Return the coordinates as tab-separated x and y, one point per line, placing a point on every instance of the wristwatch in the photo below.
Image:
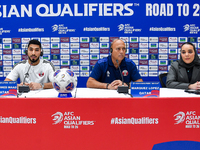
42	84
107	85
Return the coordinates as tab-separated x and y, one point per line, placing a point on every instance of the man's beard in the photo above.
33	60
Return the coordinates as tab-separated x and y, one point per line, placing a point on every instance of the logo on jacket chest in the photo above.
125	73
108	74
41	74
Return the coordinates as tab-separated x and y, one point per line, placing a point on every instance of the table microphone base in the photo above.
24	89
122	89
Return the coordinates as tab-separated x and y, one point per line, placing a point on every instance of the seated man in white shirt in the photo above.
39	73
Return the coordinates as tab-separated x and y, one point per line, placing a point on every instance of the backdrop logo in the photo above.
58	117
120	27
61	29
55	28
153	67
192	28
16	40
4	31
144	74
186	27
180	117
93	62
127	28
64	39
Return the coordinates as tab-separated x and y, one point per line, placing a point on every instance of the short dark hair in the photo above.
36	42
189	43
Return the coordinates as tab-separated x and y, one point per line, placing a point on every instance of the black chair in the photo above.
163	78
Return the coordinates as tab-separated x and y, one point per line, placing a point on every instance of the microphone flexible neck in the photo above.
27	74
120	72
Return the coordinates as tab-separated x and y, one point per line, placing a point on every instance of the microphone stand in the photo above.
25	88
123	88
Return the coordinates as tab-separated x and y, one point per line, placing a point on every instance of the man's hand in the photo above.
114	85
35	86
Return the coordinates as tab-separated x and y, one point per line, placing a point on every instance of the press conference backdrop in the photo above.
76	34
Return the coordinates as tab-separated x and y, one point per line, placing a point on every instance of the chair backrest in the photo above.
163	78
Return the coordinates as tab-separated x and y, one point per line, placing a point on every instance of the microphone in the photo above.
123	88
25	88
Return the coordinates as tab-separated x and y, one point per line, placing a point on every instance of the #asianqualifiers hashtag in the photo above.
143	120
18	120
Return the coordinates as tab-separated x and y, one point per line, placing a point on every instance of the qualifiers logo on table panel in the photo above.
70	120
190	119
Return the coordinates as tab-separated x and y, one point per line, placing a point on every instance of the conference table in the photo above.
104	93
99	119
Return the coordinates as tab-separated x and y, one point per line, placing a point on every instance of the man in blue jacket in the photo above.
106	73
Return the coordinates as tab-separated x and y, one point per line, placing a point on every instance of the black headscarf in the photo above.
196	60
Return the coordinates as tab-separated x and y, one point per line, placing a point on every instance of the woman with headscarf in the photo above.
185	72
